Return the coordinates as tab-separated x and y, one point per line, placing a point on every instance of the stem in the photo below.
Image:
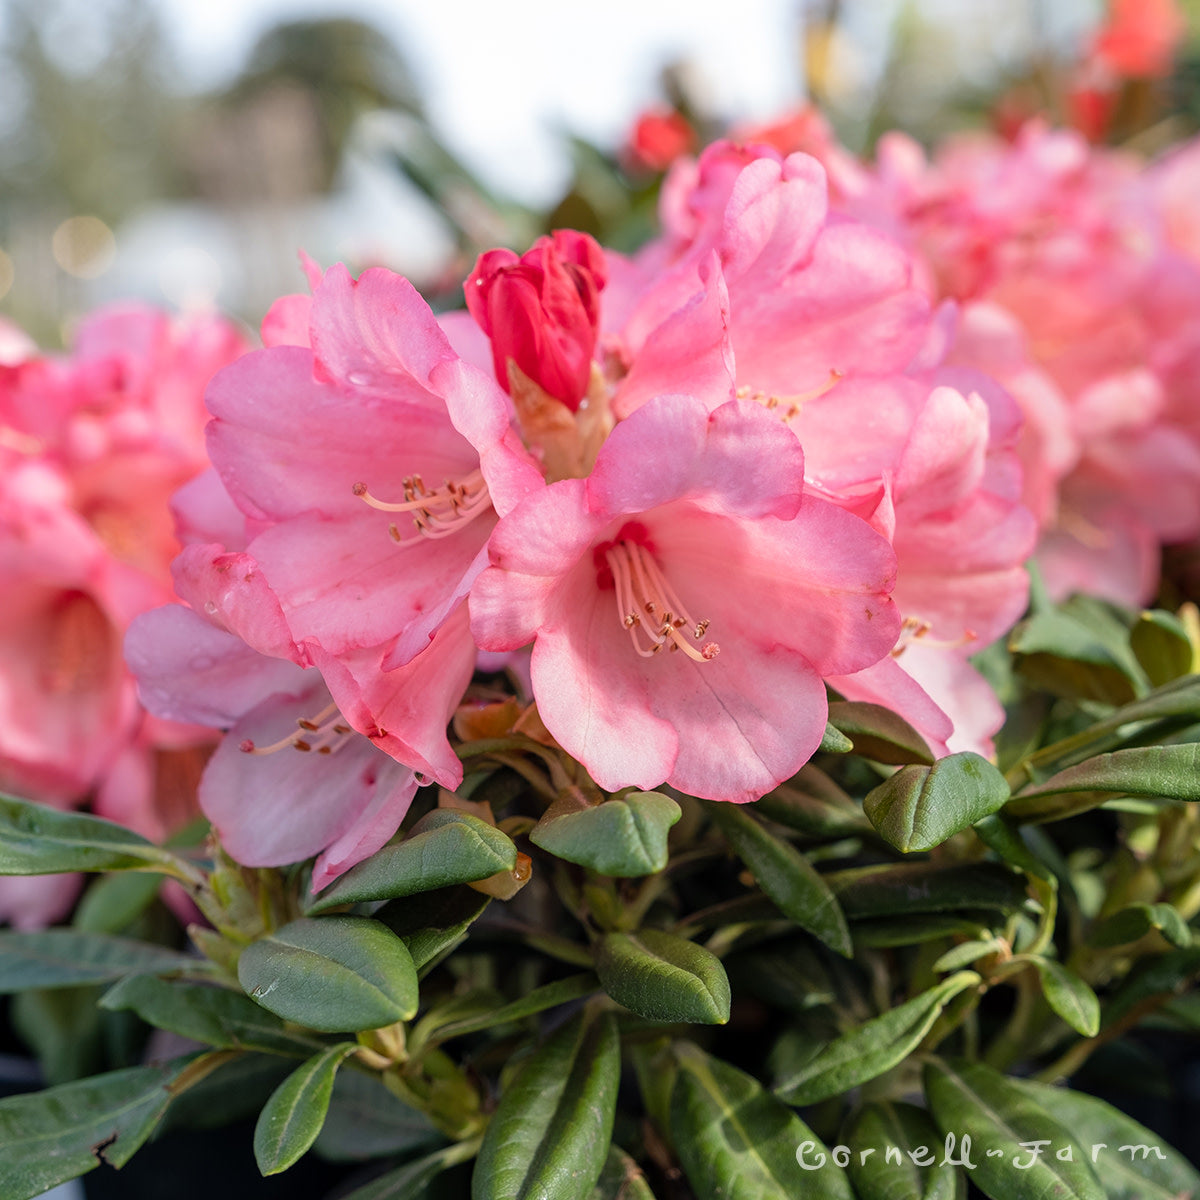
1069	1063
1013	1040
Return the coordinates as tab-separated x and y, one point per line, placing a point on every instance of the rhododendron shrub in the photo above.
93	444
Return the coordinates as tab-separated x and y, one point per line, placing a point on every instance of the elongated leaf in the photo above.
114	902
433	923
663	977
972	1100
59	1134
1002	836
912	930
812	803
1133	1163
551	1131
444	848
290	1121
920	807
1167	973
621	1179
737	1142
874	1047
624	838
409	1182
966	953
563	991
215	1015
1069	996
879	733
335	974
50	958
1161	645
1137	920
37	840
876	1176
785	875
365	1120
1138	771
896	890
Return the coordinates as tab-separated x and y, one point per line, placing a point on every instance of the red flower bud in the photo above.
542	310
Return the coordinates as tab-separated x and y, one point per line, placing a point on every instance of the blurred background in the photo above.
184	153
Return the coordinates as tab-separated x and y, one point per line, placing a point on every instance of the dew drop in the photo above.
210	607
359	378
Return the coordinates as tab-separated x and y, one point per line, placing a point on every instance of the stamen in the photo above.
437	513
640	587
792	404
915	629
330	734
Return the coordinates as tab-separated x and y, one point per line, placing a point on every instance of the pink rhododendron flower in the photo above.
1140	37
685	600
541	311
658	138
370	466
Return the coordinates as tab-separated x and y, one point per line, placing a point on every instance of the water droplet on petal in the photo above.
359	378
210	607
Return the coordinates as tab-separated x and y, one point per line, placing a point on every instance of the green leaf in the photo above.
1158	976
621	1179
409	1182
1069	996
973	1100
291	1119
551	1131
51	958
1137	920
912	930
1147	1168
874	1047
431	924
920	807
625	838
445	847
335	974
1005	838
895	890
737	1142
663	977
63	1132
1139	771
881	1125
1161	645
36	840
879	733
114	902
812	803
1080	651
551	995
213	1015
833	741
793	885
964	954
365	1120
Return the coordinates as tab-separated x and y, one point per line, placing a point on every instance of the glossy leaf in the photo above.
797	890
625	838
738	1142
1157	1172
1161	645
874	1047
37	840
63	1132
336	974
964	954
444	848
621	1179
1137	920
49	958
213	1015
663	977
365	1120
550	995
812	803
1069	996
551	1131
878	1126
433	923
1139	771
971	1099
291	1119
918	807
879	733
903	888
